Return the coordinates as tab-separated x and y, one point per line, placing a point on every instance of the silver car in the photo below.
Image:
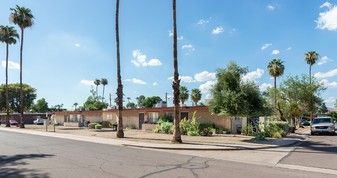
322	125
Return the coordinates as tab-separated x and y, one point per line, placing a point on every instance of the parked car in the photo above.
304	122
322	125
38	121
13	122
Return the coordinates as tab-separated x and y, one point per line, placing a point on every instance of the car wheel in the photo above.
312	133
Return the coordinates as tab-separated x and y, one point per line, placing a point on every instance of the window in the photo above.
153	117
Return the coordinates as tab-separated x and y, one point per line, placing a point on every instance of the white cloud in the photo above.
328	84
326	4
265	86
265	46
204	76
252	76
189	46
77	45
271	7
11	65
330	102
275	51
330	73
87	82
186	79
140	60
206	87
323	60
289	48
218	30
203	22
327	20
136	81
178	38
154	83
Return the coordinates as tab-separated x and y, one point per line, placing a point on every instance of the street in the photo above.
25	155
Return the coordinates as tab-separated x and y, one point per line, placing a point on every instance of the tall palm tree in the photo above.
120	132
75	104
176	81
275	69
97	82
311	57
195	96
8	35
184	94
104	82
24	18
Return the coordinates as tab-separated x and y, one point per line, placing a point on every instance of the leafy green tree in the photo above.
29	94
184	94
104	82
93	102
176	82
323	109
8	35
196	96
41	106
24	18
294	96
140	100
120	132
233	97
130	105
150	102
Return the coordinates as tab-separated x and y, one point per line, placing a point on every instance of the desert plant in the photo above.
92	125
98	126
106	124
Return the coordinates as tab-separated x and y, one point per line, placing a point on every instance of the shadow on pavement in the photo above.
10	166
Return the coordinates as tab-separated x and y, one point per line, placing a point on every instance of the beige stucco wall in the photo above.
130	117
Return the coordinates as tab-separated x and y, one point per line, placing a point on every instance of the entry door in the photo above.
141	120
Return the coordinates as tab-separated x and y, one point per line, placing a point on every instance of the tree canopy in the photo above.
184	94
231	96
29	95
41	106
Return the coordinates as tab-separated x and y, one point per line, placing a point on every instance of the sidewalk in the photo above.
142	139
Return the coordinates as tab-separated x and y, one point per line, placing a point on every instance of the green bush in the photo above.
189	127
248	130
193	133
106	124
98	126
184	126
130	126
92	125
276	129
166	127
206	129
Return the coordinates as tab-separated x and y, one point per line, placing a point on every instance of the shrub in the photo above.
220	130
98	126
184	126
106	124
130	126
206	129
167	127
249	130
189	127
193	133
276	129
92	125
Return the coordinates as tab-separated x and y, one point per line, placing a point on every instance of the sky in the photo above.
72	43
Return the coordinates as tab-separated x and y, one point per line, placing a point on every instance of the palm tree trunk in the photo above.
120	132
103	93
310	101
22	125
275	91
176	82
7	98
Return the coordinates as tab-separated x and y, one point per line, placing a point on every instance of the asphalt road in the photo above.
318	151
25	155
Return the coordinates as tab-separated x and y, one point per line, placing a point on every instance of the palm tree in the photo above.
104	82
75	104
97	82
196	96
8	35
22	17
275	69
176	81
311	57
184	94
120	132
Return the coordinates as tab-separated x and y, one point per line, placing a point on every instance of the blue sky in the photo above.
73	42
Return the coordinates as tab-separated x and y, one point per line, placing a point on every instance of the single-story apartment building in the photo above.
145	118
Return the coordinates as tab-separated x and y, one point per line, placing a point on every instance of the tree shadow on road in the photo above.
10	166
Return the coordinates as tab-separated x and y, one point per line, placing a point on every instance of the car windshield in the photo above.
321	120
